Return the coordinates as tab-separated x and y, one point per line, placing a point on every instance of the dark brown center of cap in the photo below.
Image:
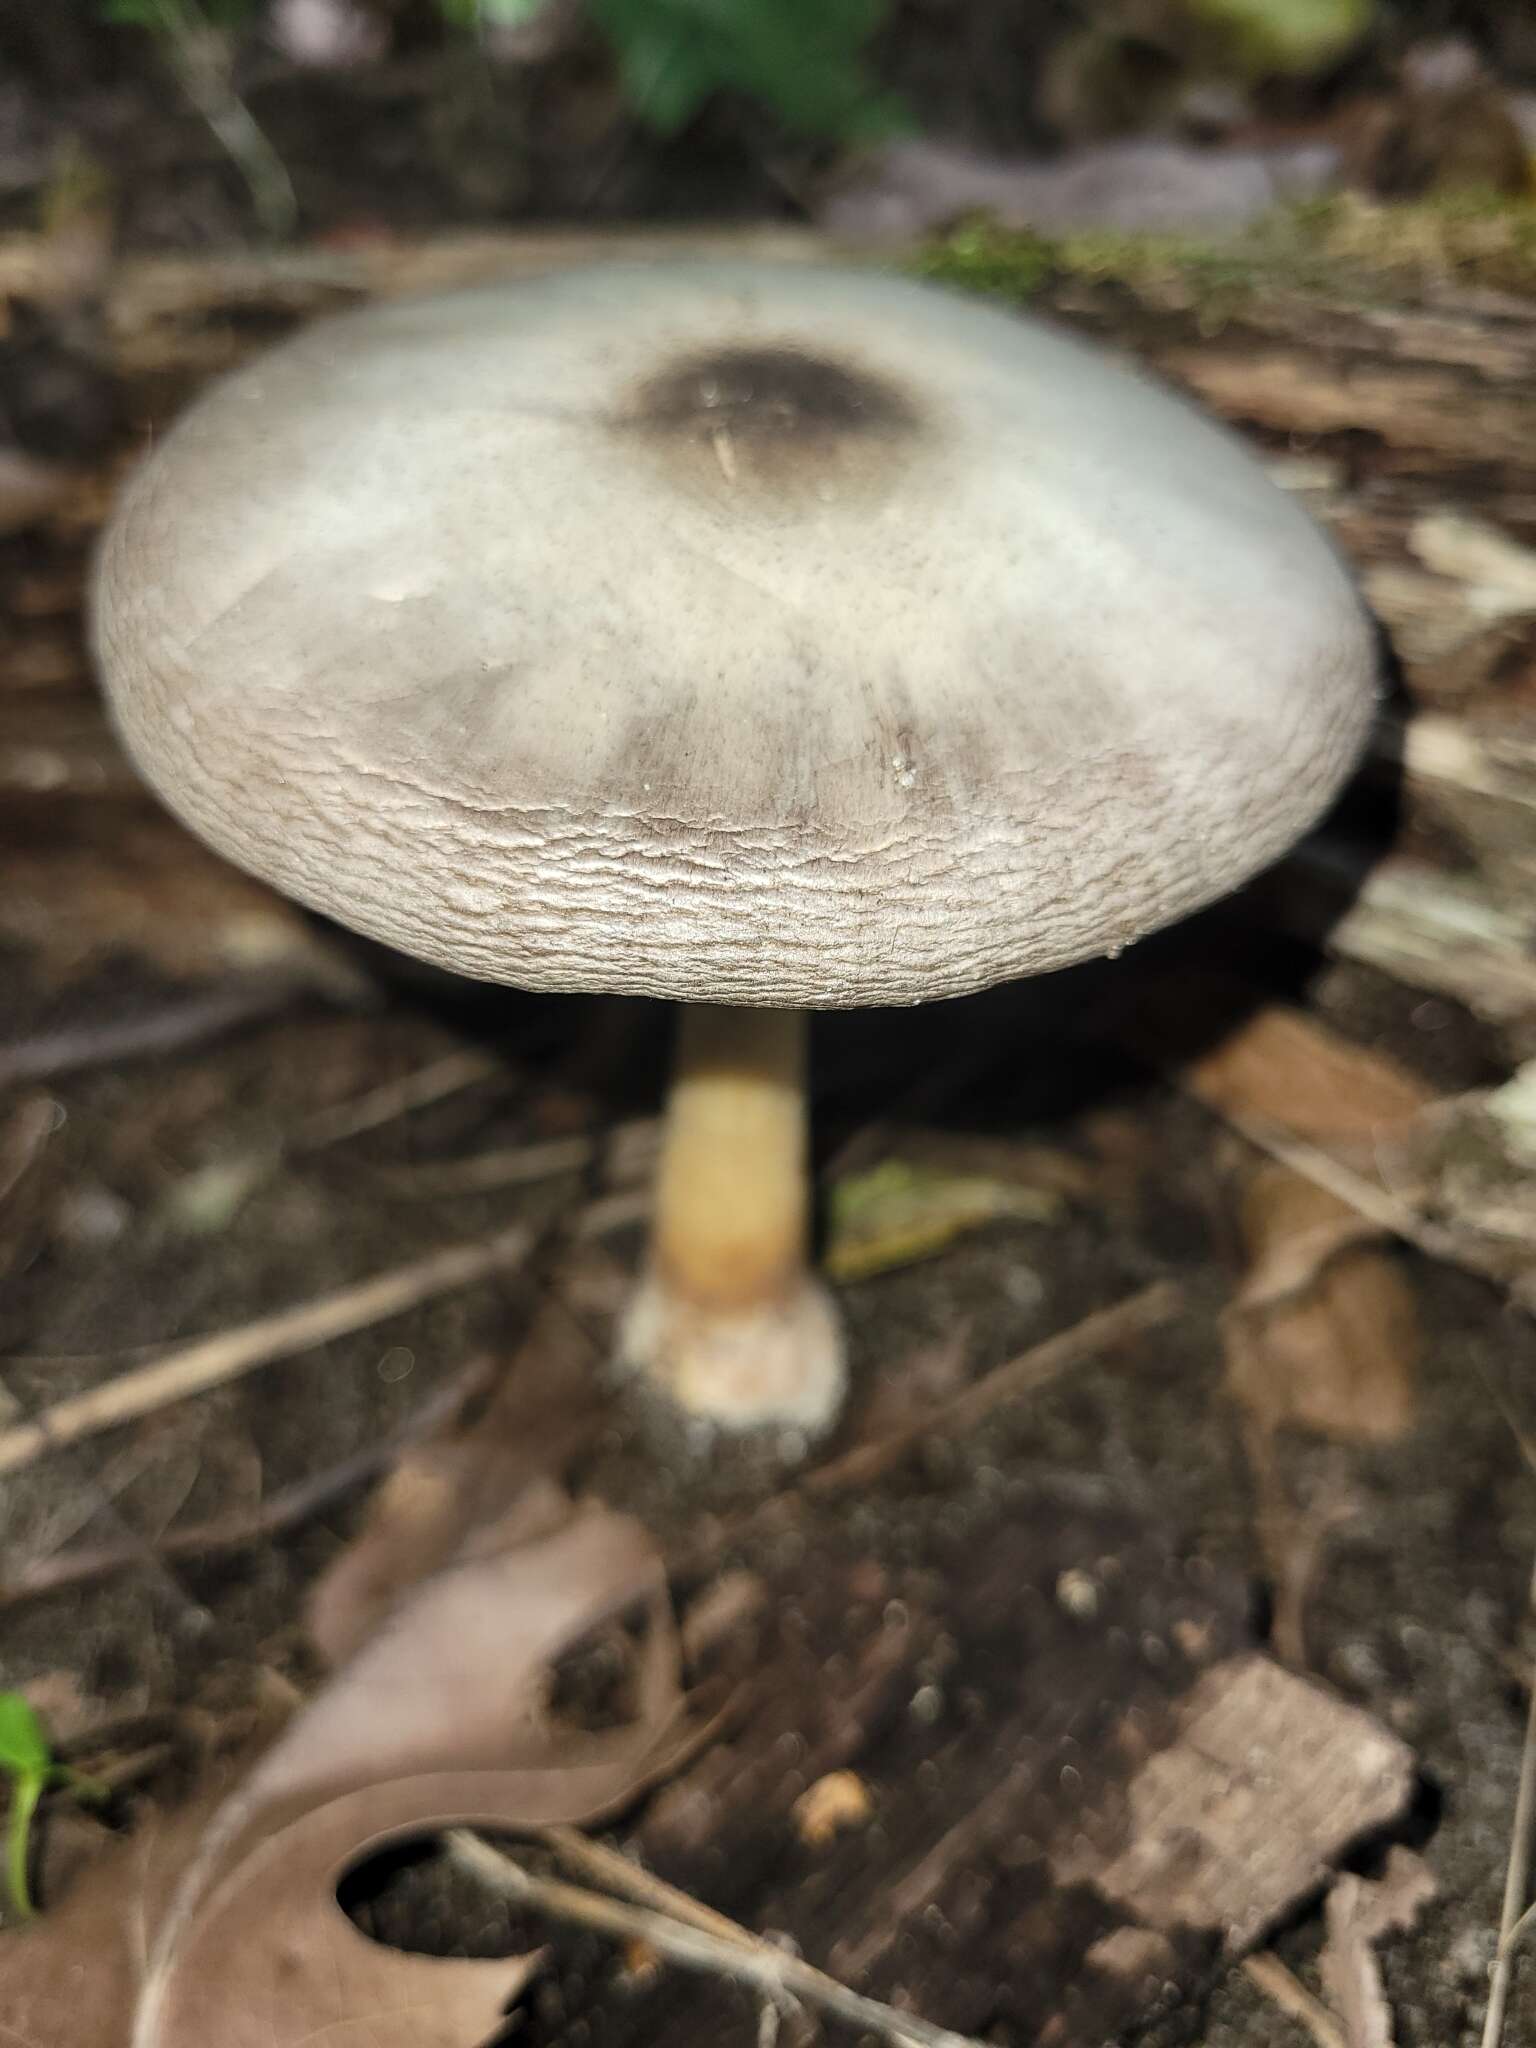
779	422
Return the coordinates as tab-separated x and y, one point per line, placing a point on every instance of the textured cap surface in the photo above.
737	632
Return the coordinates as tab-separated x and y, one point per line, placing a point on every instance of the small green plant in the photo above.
29	1763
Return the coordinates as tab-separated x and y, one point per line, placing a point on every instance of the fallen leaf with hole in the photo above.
1361	1912
898	1213
222	1925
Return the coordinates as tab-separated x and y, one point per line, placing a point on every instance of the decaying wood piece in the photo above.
1082	1791
1244	1810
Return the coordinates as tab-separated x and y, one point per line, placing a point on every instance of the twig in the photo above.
279	1511
625	1152
741	1956
189	1022
1028	1371
508	1166
124	1771
1023	1374
22	1144
1291	1995
216	1360
607	1866
417	1090
1378	1205
1399	1219
962	1846
1517	1874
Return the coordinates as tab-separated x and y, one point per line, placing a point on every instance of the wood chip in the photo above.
1269	1781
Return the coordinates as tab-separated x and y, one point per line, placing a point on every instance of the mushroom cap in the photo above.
732	631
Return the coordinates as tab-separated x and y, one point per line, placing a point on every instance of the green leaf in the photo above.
898	1213
801	58
28	1761
26	1790
1295	38
23	1745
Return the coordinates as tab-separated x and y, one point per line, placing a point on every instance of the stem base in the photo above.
775	1363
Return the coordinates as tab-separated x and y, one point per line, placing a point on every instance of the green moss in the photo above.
1344	247
979	256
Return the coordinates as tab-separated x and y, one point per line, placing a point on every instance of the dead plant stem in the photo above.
1517	1874
741	1956
214	1361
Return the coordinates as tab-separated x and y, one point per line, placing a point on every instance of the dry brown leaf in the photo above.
1359	1913
223	1925
483	1487
1323	1332
1284	1068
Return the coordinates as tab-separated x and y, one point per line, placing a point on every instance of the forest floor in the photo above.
970	1623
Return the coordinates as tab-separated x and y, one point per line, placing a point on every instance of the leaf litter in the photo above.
1321	1338
220	1921
1361	1912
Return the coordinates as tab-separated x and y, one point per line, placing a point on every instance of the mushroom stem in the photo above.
729	1321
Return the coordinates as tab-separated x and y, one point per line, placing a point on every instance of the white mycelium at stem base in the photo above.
728	1321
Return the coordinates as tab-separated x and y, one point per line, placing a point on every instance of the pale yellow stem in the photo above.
732	1196
729	1320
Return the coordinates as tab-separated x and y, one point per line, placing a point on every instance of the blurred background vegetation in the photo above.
213	120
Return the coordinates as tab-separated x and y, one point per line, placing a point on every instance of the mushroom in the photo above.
756	636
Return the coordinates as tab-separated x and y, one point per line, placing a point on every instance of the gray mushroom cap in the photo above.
733	632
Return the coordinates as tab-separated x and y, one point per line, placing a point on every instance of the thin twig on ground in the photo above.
625	1152
281	1510
1025	1373
1285	1989
1378	1205
609	1867
740	1956
419	1089
214	1361
509	1166
187	1021
1517	1874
